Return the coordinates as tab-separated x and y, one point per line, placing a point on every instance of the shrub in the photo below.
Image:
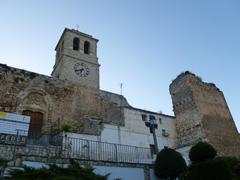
66	127
233	165
236	171
72	172
209	170
169	164
202	151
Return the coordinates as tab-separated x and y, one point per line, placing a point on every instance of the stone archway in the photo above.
35	103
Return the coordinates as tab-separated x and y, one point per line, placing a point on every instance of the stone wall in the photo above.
16	155
202	114
60	101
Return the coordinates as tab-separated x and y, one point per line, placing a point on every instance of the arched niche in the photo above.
37	105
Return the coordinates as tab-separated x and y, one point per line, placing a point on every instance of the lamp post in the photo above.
152	124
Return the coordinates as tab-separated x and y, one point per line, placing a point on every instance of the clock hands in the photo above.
81	70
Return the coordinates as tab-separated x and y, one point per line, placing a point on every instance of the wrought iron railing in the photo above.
83	149
102	151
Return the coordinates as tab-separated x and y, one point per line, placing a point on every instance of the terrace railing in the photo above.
76	148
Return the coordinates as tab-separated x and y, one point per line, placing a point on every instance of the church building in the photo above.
71	97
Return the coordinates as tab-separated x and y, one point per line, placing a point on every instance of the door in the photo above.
36	123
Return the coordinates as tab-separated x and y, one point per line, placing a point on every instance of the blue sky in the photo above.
143	44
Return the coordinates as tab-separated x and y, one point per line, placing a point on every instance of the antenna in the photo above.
121	103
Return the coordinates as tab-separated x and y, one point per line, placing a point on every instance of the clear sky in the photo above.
143	44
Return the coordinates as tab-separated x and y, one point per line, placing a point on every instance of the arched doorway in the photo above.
36	123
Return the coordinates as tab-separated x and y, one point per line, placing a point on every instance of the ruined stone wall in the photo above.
60	101
202	114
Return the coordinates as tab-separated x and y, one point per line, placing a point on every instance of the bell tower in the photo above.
76	59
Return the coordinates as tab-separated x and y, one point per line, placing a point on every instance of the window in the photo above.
76	44
144	117
86	47
152	149
165	133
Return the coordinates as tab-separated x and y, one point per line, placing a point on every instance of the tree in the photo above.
209	170
205	165
169	164
233	166
73	172
202	151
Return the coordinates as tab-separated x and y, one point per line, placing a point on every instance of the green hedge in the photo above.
202	151
209	170
169	164
73	172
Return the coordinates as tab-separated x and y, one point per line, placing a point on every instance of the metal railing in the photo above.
102	151
76	148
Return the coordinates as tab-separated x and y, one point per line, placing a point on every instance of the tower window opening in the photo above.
76	44
86	47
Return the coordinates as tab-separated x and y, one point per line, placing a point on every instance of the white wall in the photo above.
184	151
139	133
83	136
135	132
124	173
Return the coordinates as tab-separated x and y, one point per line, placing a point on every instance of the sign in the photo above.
14	124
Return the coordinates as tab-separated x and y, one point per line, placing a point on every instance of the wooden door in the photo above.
36	123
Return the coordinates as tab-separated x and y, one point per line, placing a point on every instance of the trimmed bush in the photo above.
202	151
209	170
169	164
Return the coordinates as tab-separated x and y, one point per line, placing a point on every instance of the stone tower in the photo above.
202	114
76	59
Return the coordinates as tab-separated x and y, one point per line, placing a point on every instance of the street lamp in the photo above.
152	124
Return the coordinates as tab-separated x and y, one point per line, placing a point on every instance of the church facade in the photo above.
71	95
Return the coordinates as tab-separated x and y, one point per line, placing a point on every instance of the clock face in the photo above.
81	69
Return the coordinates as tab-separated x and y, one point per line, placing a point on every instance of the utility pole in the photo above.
152	124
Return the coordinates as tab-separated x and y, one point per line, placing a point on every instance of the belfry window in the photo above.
86	47
76	44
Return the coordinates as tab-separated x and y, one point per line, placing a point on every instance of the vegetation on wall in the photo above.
66	127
